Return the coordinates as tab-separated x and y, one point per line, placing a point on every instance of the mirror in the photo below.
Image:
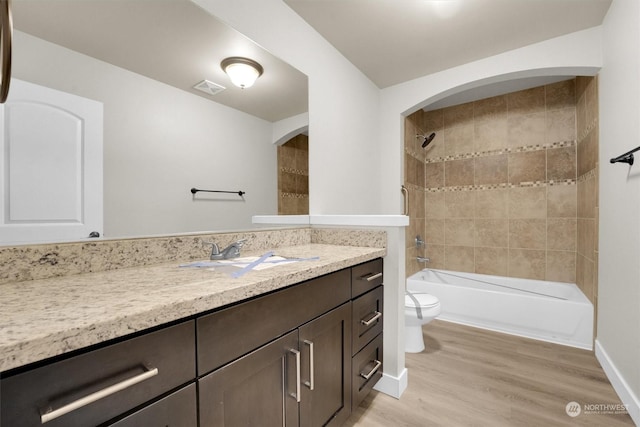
141	59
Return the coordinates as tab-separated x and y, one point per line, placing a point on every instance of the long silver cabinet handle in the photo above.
373	371
311	365
100	394
376	316
297	393
371	277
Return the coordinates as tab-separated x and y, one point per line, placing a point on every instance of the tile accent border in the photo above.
294	171
523	149
294	195
498	186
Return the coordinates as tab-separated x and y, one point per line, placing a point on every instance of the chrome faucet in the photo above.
231	251
420	244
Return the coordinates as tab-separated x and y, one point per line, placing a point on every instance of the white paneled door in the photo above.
50	165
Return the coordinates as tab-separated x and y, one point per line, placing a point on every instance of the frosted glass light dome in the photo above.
243	72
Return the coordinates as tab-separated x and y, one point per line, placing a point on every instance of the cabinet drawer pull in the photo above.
376	316
100	394
311	364
373	371
297	393
371	276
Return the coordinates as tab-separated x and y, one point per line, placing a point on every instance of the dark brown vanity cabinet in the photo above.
299	356
302	378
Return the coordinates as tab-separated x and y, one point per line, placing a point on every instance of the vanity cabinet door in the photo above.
259	389
325	347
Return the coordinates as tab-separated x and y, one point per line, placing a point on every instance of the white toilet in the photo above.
419	309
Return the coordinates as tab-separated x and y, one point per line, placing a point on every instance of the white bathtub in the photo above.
548	311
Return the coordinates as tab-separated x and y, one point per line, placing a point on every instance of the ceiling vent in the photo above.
210	88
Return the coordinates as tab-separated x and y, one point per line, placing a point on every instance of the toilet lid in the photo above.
425	300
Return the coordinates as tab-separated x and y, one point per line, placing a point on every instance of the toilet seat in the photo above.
422	300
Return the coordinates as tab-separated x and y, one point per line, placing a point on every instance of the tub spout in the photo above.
422	259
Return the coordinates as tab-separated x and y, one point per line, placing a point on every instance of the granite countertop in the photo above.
44	318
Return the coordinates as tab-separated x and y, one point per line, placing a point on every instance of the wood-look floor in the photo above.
472	377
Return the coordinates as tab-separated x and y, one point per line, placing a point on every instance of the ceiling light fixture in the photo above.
243	72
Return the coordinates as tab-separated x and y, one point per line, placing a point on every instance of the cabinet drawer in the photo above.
232	332
143	367
366	318
176	410
366	370
365	277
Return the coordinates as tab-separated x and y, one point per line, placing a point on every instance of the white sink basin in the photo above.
242	265
242	262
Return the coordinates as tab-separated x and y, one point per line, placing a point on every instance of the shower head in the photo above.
427	139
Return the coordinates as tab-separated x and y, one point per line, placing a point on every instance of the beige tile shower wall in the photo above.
500	185
293	176
587	197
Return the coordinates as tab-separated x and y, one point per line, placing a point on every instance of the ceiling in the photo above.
393	41
172	41
390	41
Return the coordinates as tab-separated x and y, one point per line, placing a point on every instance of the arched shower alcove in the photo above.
508	186
291	136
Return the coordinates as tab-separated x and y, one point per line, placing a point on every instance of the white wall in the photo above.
158	143
618	340
343	104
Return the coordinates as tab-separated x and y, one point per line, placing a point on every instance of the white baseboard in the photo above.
393	386
621	387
